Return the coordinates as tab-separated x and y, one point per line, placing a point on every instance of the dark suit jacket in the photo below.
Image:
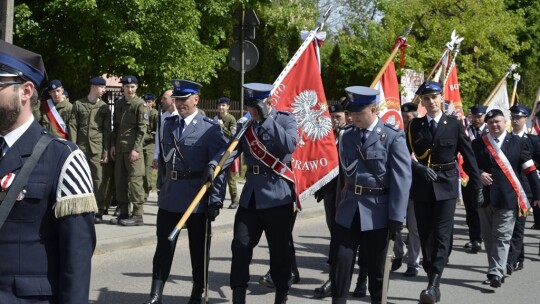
501	194
449	139
45	258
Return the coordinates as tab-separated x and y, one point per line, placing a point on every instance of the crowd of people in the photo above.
63	162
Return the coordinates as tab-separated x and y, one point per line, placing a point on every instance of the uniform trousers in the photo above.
147	178
471	215
346	241
497	228
536	217
413	243
517	249
435	220
129	183
249	224
163	257
97	169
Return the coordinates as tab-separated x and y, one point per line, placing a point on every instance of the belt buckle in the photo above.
255	169
358	189
174	175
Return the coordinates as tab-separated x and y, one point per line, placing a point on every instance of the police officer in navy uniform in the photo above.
435	140
516	255
371	208
48	238
476	129
189	142
268	197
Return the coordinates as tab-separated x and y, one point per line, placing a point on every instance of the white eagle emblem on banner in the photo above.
311	122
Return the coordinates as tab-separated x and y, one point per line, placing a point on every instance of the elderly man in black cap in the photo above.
47	234
516	255
90	129
502	156
54	114
435	140
371	208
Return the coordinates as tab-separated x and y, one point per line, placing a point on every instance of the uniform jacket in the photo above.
200	143
501	194
64	109
385	150
150	137
470	131
47	242
278	133
90	127
130	120
449	139
229	125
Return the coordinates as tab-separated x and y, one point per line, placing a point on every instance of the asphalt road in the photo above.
124	276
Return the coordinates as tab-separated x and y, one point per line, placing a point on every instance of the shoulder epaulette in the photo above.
284	112
391	126
209	120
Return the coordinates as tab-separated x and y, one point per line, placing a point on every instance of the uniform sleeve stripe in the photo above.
75	176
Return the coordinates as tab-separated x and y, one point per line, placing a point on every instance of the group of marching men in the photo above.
499	185
387	178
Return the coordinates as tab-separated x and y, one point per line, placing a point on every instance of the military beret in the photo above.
409	107
18	62
185	88
129	79
149	96
336	108
493	113
478	109
359	97
100	81
54	84
253	92
519	110
429	87
223	100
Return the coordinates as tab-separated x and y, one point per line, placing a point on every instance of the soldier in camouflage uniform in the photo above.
228	126
54	114
90	129
149	140
130	121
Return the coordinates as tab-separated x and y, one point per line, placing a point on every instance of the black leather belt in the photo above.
259	169
443	167
176	175
363	190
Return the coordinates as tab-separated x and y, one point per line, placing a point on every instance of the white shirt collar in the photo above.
437	118
188	119
500	138
520	134
14	135
373	124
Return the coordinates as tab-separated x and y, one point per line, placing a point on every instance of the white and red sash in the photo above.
55	118
260	152
506	168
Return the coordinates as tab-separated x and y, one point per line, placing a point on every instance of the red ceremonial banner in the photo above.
389	97
451	93
315	160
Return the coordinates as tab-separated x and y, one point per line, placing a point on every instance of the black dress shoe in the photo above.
518	266
361	289
509	269
467	245
396	264
324	291
98	219
267	281
116	220
495	282
476	246
295	277
411	272
430	295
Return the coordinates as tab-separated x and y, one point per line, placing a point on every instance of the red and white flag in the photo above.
451	93
299	90
389	105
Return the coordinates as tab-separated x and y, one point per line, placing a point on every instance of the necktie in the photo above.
2	144
364	136
432	127
478	133
182	125
496	140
